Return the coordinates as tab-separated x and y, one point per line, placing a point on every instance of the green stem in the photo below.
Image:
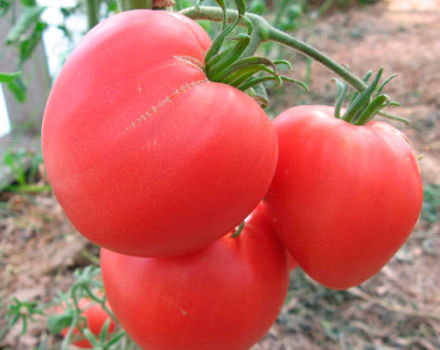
344	73
93	12
102	302
238	231
268	32
125	5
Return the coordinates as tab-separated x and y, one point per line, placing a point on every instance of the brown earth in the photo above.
397	309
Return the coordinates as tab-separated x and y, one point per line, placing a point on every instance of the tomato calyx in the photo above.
232	67
365	105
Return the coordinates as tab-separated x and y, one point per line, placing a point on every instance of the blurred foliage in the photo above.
431	203
27	31
25	167
88	285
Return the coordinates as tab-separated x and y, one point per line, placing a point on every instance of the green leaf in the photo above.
28	45
8	77
56	323
65	31
18	89
29	3
30	17
4	7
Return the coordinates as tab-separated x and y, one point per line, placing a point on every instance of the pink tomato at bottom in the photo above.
225	296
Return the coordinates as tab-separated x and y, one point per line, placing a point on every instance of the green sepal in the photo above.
218	41
222	4
373	107
367	76
391	77
245	63
284	62
252	82
340	96
300	83
227	57
241	76
259	94
393	117
362	99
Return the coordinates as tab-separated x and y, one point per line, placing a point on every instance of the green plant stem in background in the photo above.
93	12
265	32
125	5
285	39
279	13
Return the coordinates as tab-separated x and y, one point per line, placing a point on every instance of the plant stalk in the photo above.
125	5
267	32
93	13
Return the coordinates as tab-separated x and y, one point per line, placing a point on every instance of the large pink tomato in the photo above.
223	297
344	198
145	155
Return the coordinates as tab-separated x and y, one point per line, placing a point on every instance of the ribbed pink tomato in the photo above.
225	296
145	155
344	197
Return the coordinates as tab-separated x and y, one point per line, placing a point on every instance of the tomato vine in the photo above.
263	32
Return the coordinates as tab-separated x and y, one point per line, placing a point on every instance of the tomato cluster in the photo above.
158	165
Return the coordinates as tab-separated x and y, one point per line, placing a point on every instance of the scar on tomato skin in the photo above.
168	99
192	61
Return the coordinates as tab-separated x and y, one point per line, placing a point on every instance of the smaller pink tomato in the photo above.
344	197
95	318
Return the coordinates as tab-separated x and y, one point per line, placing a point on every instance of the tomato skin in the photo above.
344	198
145	155
96	317
225	296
